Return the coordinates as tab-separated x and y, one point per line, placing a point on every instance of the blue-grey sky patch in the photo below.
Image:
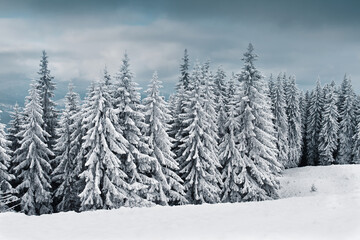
305	38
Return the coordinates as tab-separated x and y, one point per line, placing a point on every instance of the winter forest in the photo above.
221	137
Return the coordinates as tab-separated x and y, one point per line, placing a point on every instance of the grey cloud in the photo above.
284	12
305	38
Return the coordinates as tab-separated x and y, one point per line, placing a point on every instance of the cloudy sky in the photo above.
310	39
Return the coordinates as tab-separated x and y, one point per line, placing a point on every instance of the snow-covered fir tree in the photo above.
329	127
172	111
172	107
357	109
107	78
46	89
197	154
314	124
281	123
221	118
356	138
170	190
140	166
32	159
209	105
302	108
219	84
231	160
177	127
184	71
80	122
65	173
356	148
257	144
347	122
220	94
231	86
272	92
14	128
304	104
293	113
286	83
106	184
7	193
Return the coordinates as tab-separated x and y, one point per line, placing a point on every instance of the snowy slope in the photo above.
330	212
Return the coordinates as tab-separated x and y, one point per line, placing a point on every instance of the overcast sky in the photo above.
309	39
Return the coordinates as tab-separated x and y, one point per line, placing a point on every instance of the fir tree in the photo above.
304	103
46	89
281	123
257	144
184	80
14	128
302	108
177	127
7	193
356	138
347	122
329	127
356	148
105	181
231	86
107	78
198	158
286	84
231	160
293	113
170	190
139	165
220	94
272	92
314	125
65	173
32	158
209	105
357	110
221	118
79	127
219	85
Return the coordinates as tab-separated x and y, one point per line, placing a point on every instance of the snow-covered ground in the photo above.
332	211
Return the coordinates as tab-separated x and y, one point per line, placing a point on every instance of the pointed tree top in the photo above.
186	53
44	57
250	48
292	79
184	66
155	79
126	59
318	82
348	77
155	76
249	56
106	77
71	86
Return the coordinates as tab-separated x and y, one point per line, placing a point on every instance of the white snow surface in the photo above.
330	212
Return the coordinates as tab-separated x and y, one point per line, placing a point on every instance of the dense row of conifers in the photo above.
216	140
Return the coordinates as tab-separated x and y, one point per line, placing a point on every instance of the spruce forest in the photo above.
221	137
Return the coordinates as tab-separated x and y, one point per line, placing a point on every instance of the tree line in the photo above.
216	139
